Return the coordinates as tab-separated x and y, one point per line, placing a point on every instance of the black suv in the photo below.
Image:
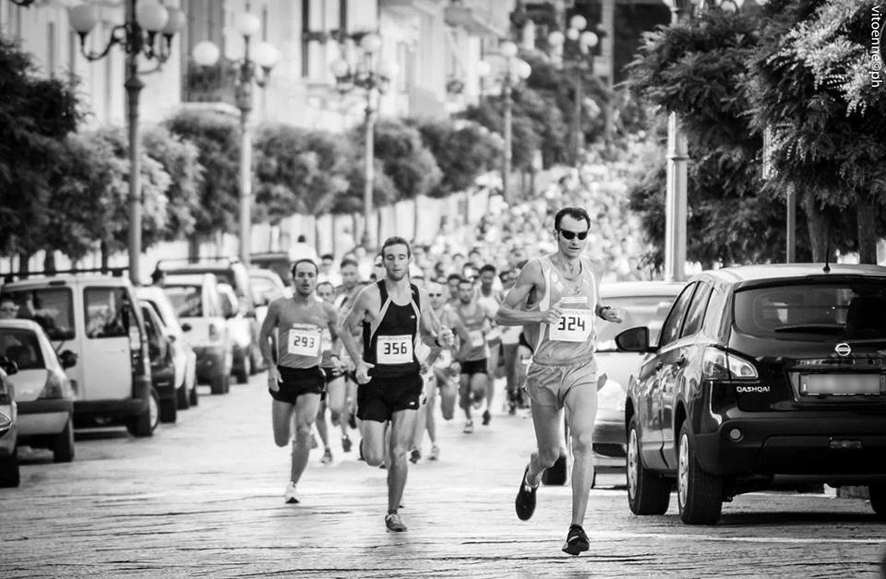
763	376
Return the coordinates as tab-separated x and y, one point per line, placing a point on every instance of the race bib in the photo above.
326	340
494	334
394	350
477	338
574	326
304	342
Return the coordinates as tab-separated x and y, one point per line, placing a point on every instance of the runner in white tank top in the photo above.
555	299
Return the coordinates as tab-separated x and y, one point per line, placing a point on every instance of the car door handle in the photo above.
680	361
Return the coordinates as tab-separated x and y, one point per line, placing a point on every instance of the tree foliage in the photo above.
463	152
180	160
404	158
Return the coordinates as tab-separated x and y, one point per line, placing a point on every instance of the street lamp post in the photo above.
138	36
575	48
206	53
514	71
373	76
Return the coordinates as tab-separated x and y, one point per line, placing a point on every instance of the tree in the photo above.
35	116
180	160
815	92
404	158
463	153
216	136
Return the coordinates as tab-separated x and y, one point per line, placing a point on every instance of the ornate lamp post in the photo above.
576	50
206	53
513	72
148	31
374	76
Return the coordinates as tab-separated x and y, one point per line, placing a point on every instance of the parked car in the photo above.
267	286
232	272
279	262
640	303
9	471
162	363
92	313
43	391
185	359
197	303
762	375
239	329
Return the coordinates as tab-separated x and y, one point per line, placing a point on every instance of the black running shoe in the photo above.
525	503
486	417
576	541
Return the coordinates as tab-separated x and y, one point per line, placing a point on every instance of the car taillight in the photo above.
214	334
718	365
53	388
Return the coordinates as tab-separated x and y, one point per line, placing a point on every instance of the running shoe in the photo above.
435	453
487	417
415	456
289	495
576	541
394	523
327	456
525	503
346	443
469	427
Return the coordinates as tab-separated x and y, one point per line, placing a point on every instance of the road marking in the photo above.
732	538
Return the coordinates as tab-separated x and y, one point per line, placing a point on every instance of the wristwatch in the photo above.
602	310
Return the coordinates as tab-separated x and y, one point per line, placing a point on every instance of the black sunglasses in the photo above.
582	235
435	295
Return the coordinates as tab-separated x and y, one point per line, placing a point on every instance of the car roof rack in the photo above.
114	271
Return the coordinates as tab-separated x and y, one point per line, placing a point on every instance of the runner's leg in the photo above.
306	406
581	412
402	427
281	420
373	441
546	420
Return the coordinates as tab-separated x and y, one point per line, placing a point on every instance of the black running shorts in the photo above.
331	374
471	367
378	399
297	381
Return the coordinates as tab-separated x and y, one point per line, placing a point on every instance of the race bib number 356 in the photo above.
394	350
573	326
304	342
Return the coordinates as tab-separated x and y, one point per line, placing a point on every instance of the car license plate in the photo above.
840	384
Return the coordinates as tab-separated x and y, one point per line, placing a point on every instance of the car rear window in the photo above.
186	299
21	347
649	311
52	308
851	310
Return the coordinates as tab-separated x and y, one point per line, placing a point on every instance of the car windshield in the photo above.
52	308
648	311
21	346
811	310
186	299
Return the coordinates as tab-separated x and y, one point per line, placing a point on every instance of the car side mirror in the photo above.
633	340
67	359
8	366
186	327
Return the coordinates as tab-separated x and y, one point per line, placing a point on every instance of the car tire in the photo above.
699	494
63	444
182	399
878	499
648	492
218	384
169	410
144	424
193	396
245	369
10	476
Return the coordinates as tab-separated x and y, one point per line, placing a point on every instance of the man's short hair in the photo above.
488	267
576	213
328	256
453	276
462	280
301	261
329	283
505	273
348	261
395	240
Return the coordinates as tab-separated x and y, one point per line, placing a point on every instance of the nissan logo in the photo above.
843	349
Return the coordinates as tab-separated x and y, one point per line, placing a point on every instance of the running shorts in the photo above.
471	367
297	381
378	399
548	385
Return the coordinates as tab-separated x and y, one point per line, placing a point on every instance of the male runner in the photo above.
510	340
335	382
490	297
393	314
473	355
344	299
296	382
556	299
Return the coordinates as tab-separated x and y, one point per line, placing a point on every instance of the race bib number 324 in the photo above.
394	349
573	326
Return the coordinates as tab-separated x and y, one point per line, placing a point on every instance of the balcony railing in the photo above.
211	84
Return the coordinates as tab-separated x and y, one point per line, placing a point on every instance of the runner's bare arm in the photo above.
351	321
332	316
602	310
433	332
264	334
509	313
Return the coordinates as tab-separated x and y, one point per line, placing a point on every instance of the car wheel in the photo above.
648	492
9	472
194	397
219	384
878	499
699	494
145	423
181	397
245	369
168	410
63	445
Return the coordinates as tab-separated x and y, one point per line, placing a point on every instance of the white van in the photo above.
92	314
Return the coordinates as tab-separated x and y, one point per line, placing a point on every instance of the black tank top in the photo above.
389	341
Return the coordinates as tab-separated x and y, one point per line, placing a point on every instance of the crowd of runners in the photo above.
376	347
